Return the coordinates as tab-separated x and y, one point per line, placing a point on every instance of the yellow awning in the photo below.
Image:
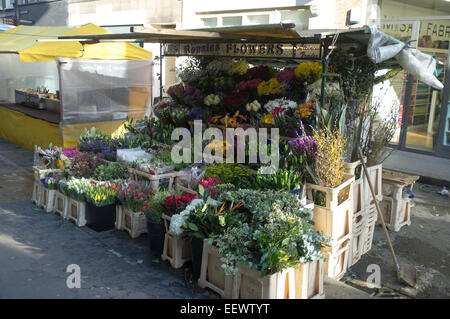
23	40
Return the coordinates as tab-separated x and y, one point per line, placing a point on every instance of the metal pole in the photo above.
16	7
405	113
160	71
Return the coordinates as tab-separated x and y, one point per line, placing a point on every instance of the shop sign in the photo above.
282	50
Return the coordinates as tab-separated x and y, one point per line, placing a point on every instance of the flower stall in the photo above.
260	226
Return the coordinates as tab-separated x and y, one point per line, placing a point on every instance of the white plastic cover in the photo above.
382	47
104	90
132	154
17	75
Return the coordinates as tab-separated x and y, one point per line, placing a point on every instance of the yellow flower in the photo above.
268	119
269	87
308	71
60	164
305	109
239	68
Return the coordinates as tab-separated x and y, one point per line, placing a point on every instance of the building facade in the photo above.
34	12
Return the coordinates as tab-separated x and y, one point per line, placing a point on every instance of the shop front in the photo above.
424	114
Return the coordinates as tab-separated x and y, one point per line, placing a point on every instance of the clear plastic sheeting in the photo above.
382	47
104	90
17	75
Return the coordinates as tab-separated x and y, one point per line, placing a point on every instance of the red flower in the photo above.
187	198
144	208
169	201
235	98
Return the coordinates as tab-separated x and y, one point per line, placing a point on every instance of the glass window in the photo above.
209	22
230	21
417	8
258	19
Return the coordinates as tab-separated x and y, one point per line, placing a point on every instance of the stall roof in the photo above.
23	40
266	32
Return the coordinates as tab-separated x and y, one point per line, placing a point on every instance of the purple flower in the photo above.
197	113
304	145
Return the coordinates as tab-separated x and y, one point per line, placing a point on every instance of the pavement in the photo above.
37	247
432	169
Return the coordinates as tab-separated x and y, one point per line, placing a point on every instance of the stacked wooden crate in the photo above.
396	204
335	220
364	210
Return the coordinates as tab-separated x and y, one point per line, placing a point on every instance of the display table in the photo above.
27	127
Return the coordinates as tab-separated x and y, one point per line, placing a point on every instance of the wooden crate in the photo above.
396	212
309	280
336	259
154	179
351	169
76	212
40	172
61	205
212	275
47	199
132	222
177	250
355	250
335	219
304	281
37	189
375	174
367	238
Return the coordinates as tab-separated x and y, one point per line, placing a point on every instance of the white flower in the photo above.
211	99
269	106
253	106
176	222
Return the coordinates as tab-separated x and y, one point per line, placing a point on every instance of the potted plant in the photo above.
201	219
48	193
270	234
134	197
155	224
100	207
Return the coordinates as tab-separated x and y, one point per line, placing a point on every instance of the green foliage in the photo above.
229	173
110	172
283	179
329	119
209	220
156	206
277	233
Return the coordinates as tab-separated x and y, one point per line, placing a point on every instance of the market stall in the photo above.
248	231
103	78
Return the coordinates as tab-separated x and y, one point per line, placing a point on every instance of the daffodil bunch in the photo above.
211	99
308	72
253	106
100	195
239	68
272	86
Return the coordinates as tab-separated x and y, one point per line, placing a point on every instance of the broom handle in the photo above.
380	215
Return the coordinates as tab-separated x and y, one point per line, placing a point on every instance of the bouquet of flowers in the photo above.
49	157
175	203
135	195
101	195
76	188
